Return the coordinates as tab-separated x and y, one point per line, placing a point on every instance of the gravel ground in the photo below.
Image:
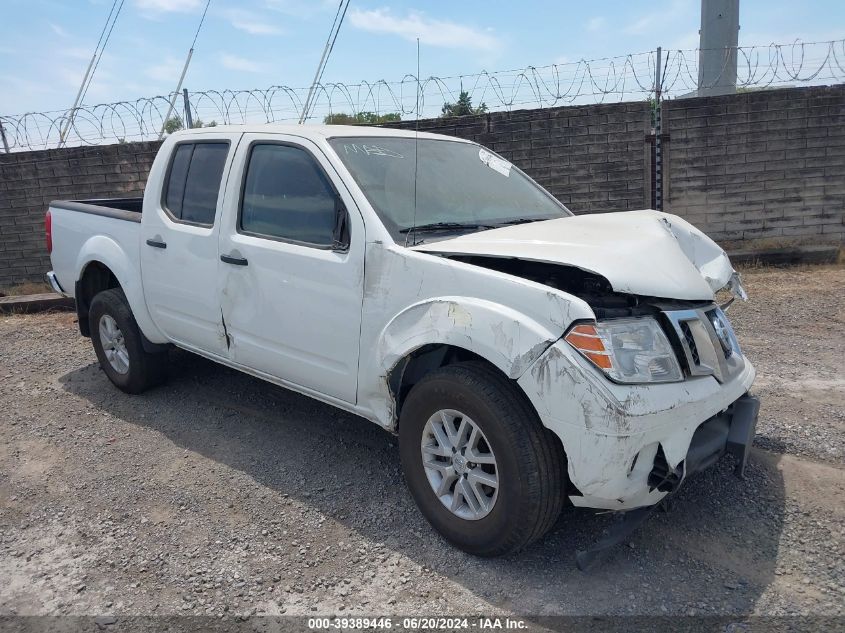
219	494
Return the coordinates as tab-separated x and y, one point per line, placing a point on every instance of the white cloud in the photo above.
168	6
251	23
167	71
642	25
686	41
301	8
596	24
58	30
430	31
679	12
233	62
77	52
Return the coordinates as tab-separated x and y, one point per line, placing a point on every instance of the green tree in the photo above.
361	118
173	124
199	123
462	107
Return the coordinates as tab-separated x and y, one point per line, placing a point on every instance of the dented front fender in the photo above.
508	339
415	299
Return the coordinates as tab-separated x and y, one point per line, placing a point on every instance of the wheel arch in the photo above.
425	359
449	329
94	278
104	264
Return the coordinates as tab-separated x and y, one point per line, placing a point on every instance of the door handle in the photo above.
235	261
156	244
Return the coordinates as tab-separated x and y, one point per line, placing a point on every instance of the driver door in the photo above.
291	298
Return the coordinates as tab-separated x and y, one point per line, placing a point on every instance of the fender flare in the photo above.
508	339
503	336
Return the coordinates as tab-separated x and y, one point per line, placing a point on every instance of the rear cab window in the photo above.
192	187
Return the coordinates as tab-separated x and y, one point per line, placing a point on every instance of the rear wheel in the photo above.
119	346
478	462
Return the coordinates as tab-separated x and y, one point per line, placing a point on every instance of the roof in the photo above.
314	131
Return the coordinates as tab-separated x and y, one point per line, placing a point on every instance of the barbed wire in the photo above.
611	79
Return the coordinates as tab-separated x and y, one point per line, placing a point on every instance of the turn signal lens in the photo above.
586	339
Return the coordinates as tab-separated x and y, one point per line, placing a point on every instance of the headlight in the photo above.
627	350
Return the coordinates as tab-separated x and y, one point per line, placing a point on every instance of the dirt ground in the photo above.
219	494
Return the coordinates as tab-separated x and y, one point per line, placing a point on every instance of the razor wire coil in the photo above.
611	79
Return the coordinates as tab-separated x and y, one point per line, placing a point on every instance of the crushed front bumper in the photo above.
628	446
731	431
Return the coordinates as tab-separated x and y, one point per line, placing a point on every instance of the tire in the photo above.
528	469
122	355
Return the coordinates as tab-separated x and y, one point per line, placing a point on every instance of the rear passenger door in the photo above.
179	243
291	297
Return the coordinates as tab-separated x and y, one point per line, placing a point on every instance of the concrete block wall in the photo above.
755	170
30	180
761	169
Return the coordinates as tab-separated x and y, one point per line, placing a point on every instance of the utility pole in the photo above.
324	59
72	113
176	94
718	41
184	70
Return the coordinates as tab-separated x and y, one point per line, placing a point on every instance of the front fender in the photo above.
497	333
110	253
501	335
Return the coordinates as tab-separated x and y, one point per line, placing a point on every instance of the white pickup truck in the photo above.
526	357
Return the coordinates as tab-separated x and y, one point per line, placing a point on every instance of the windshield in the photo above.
460	186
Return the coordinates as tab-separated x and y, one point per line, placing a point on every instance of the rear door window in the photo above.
193	181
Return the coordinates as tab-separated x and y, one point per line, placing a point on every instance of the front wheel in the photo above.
119	346
481	467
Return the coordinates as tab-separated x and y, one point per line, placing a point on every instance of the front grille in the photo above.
723	336
690	339
706	342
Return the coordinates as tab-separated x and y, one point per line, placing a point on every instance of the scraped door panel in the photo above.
179	244
291	304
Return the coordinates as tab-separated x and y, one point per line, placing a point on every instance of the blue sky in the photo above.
45	45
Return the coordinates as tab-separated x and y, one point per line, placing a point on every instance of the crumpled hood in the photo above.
639	252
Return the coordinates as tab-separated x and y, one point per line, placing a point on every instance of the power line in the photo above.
105	43
184	71
331	48
324	59
92	67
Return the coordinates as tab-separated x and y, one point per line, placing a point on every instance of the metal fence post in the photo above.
189	120
658	133
3	136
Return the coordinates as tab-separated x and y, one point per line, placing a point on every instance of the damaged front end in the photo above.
631	439
655	386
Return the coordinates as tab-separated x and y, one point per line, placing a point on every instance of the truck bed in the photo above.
81	229
120	208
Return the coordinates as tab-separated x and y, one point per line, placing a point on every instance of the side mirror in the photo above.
340	235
